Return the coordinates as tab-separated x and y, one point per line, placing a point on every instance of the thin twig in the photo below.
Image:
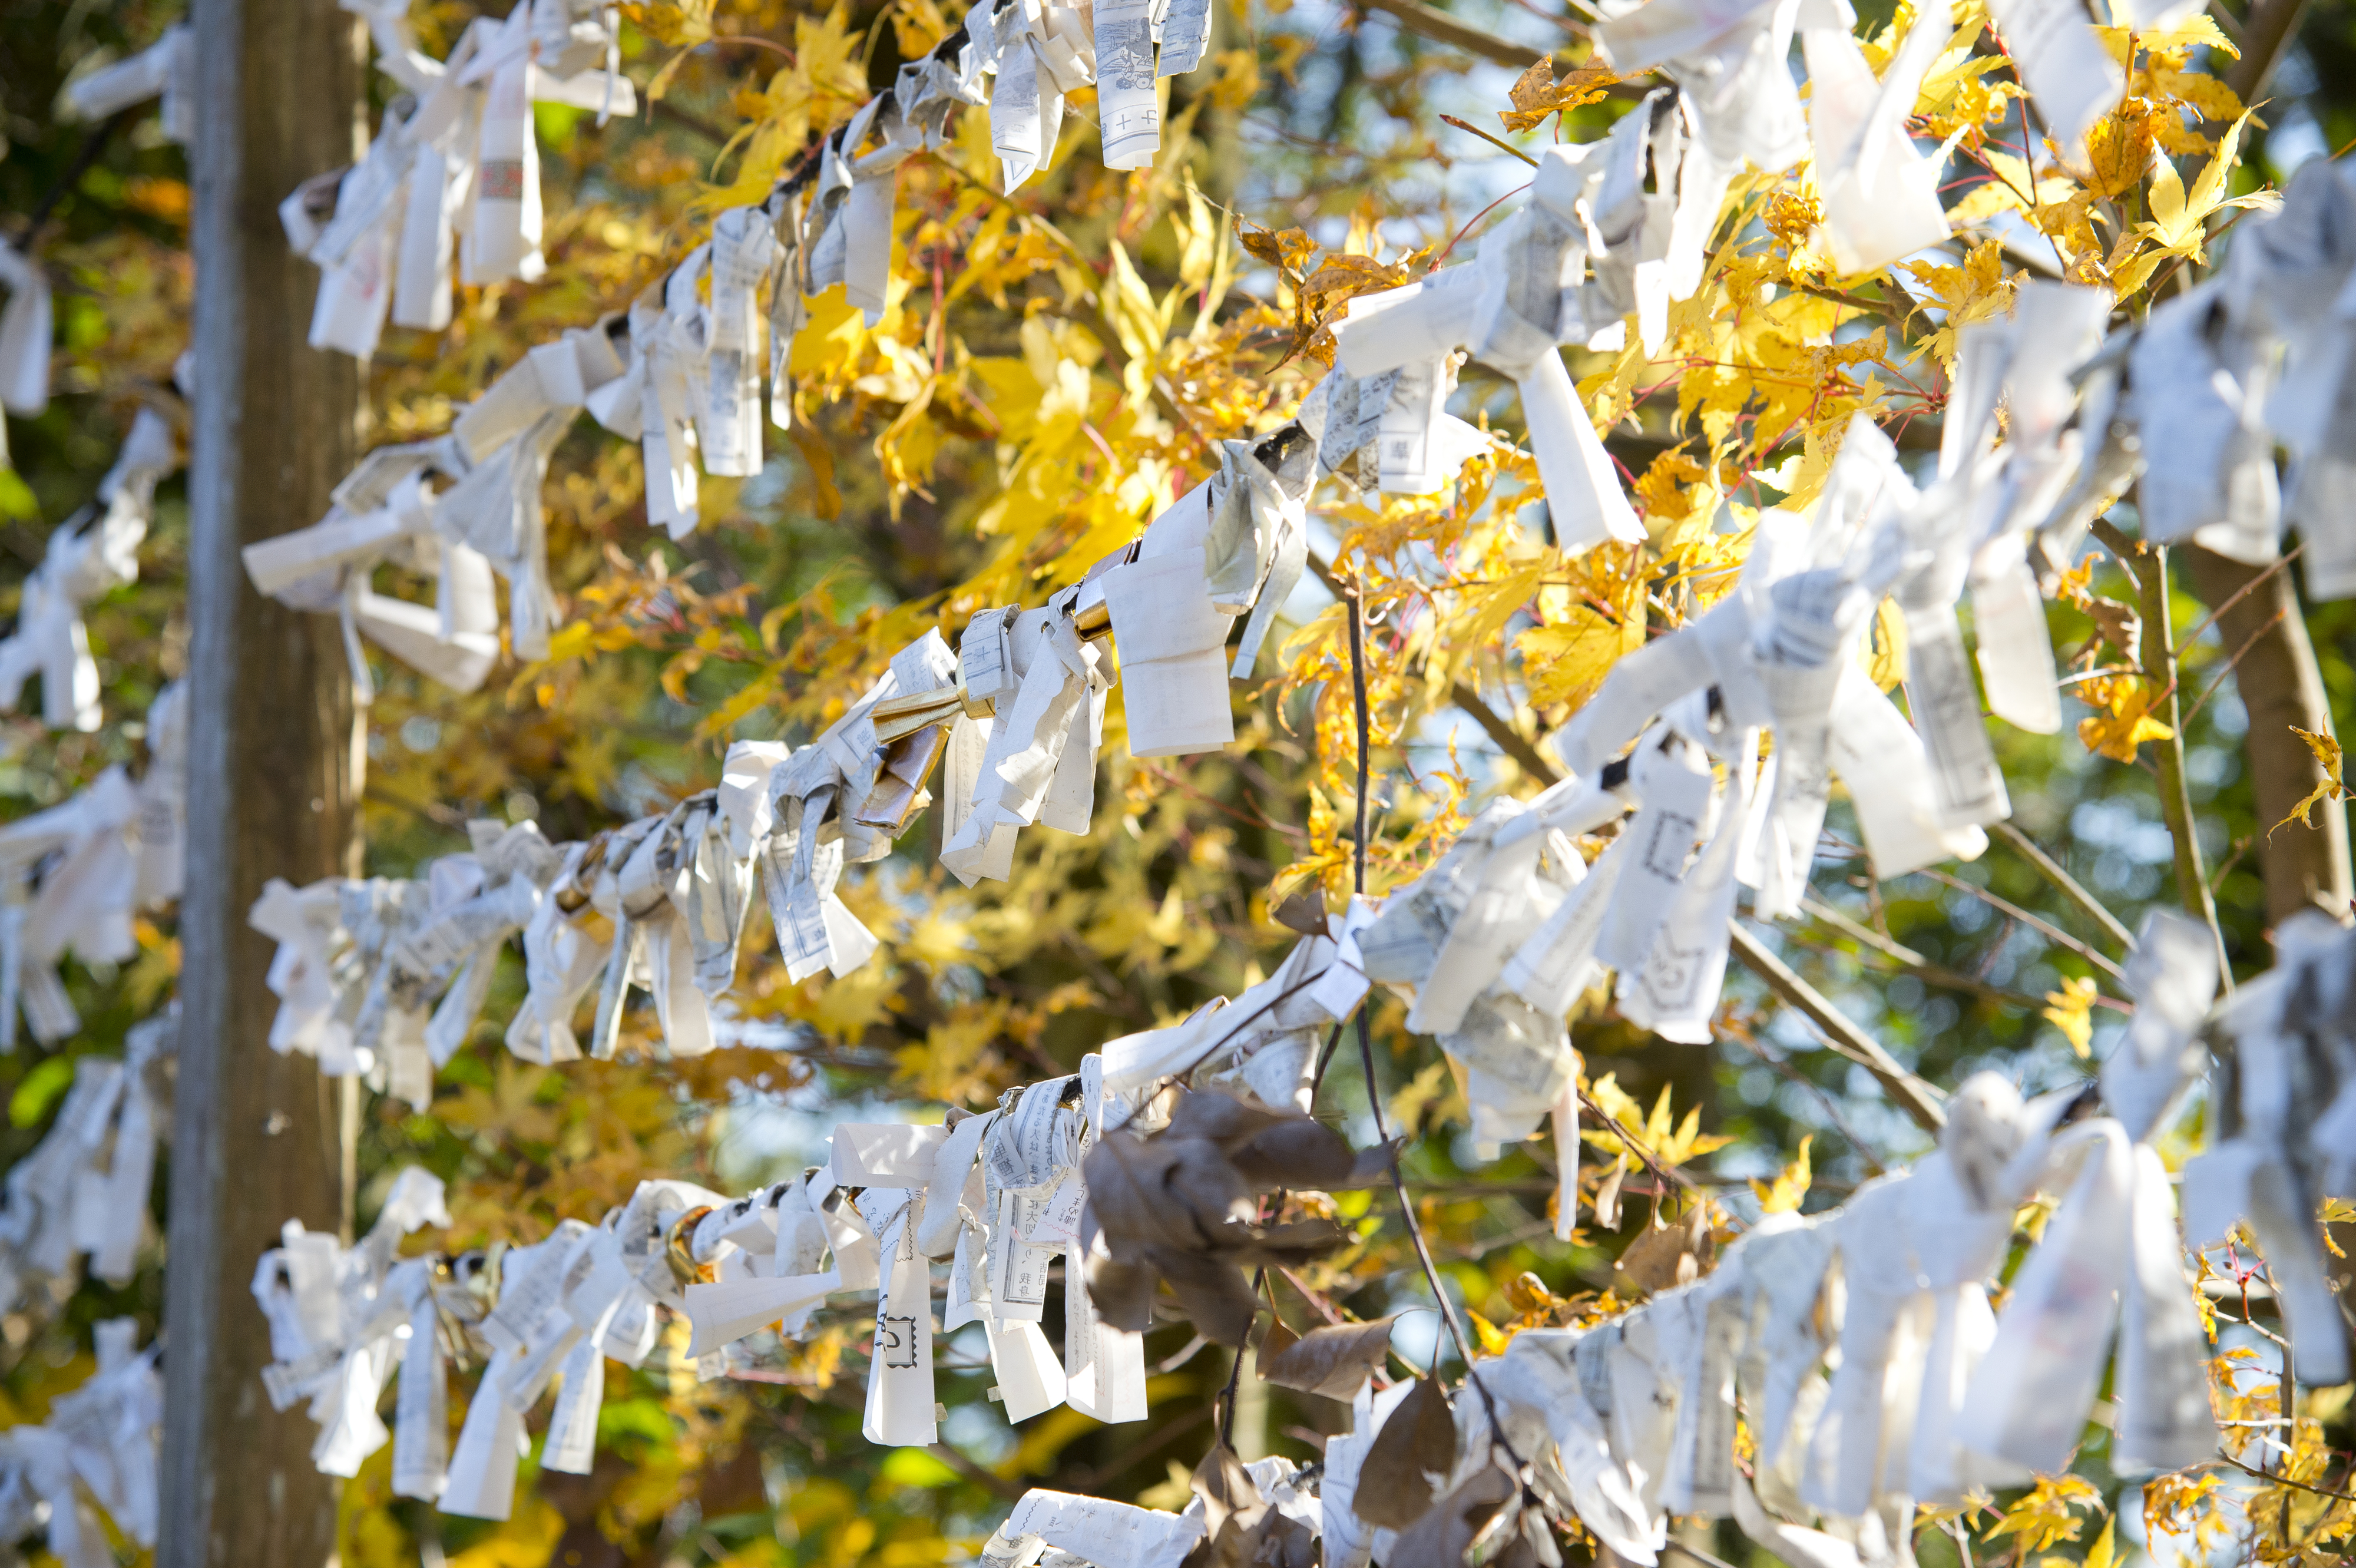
1661	1173
1508	147
2227	1458
1509	740
2235	597
1785	1070
2233	663
1907	959
1916	1097
2071	889
2044	927
84	157
1236	1372
1324	1060
1358	700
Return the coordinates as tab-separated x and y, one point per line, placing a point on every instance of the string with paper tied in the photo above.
1903	1386
387	976
88	556
453	175
1146	1170
1013	719
998	1197
1615	229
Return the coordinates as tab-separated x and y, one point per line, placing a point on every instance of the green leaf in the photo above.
39	1090
16	498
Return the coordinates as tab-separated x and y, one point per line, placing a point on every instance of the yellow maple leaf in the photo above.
680	25
1883	653
2334	1212
2124	721
2177	223
2071	1013
1790	1186
1973	292
2105	1550
2195	29
2118	154
2326	755
1492	1339
2044	1516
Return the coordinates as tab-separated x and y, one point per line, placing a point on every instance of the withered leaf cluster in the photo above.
1181	1207
1490	1518
1242	1528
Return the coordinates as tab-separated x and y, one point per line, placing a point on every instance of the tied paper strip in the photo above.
1880	197
1095	1531
1173	639
900	1408
2113	1236
90	555
26	330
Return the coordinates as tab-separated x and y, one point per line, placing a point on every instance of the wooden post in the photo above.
271	788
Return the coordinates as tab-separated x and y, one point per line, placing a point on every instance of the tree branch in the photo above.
2265	34
2147	565
2280	684
1917	1097
2043	928
2051	870
1431	22
1907	959
1510	741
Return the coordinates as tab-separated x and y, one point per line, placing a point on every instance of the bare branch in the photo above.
2072	888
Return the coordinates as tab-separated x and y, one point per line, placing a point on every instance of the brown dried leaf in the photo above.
1534	86
1674	1255
1212	1294
1272	1148
1341	278
1226	1489
2119	624
1607	1195
1333	1361
1285	250
1162	1191
1538	95
1441	1538
1416	1442
1278	1338
1242	1530
1304	912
